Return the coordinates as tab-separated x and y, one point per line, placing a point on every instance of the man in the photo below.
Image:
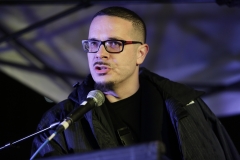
149	107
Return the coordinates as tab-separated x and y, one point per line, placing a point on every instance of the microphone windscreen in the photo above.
98	97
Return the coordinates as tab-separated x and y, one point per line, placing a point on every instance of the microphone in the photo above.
94	98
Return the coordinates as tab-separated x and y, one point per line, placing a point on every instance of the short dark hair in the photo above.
126	14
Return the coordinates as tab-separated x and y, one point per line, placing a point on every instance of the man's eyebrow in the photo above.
113	38
94	39
110	38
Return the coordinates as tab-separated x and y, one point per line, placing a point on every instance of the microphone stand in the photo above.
43	130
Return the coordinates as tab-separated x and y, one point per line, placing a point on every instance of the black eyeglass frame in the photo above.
103	42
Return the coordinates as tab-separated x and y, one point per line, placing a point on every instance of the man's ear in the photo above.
142	53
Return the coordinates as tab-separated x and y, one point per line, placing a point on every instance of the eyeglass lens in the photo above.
112	46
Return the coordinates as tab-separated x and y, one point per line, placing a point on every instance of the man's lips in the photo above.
101	68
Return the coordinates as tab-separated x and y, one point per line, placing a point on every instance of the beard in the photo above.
105	86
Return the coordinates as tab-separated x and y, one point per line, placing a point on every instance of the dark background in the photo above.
22	109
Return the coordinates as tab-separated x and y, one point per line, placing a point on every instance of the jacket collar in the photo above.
80	92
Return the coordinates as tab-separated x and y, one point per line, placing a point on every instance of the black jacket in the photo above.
199	133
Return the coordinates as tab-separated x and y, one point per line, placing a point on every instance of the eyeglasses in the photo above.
111	46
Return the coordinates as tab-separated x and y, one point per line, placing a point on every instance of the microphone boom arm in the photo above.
43	130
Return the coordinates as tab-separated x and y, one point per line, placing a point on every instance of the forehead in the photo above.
103	27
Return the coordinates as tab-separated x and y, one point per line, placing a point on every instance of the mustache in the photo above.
101	63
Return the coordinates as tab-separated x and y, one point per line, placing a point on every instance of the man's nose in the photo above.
102	53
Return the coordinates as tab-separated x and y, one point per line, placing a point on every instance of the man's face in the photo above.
117	68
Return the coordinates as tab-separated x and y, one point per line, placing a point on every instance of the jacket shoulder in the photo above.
56	113
170	89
